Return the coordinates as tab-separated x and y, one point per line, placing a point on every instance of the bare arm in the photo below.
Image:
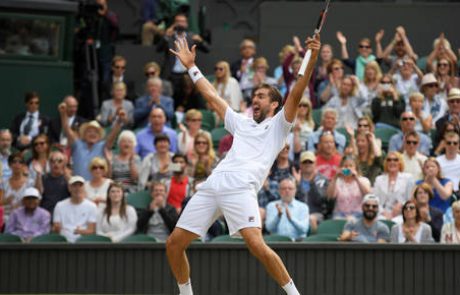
187	58
115	130
69	133
343	45
378	43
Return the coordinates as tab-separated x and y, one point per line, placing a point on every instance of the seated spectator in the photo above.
155	167
367	151
423	194
118	76
399	45
311	189
413	160
151	100
440	146
14	187
368	87
117	220
90	143
446	75
146	137
365	55
450	160
288	217
203	159
330	86
75	216
348	188
394	187
328	124
434	104
179	185
96	188
452	115
407	77
153	70
186	137
423	121
227	86
53	185
442	187
110	108
30	123
327	157
41	149
304	123
248	83
125	166
450	231
407	123
367	229
30	220
6	140
160	218
243	66
388	105
412	230
282	167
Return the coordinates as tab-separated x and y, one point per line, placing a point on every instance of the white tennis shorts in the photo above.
227	193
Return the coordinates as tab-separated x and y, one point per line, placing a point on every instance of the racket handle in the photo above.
305	61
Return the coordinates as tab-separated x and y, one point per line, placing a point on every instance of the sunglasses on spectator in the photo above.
454	101
414	142
150	73
392	160
201	142
451	142
58	161
409	208
98	167
443	64
363	125
408	119
364	46
39	143
369	206
218	69
385	82
119	67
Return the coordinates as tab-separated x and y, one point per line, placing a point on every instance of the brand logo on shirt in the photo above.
195	73
251	218
266	127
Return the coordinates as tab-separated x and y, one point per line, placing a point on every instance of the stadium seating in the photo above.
277	238
321	238
226	239
94	239
7	238
217	134
140	238
49	238
385	134
140	200
333	226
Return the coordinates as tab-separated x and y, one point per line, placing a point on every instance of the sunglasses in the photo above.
443	64
451	142
392	160
201	142
385	82
408	119
58	161
39	143
218	69
414	142
98	167
454	101
363	125
364	46
150	74
368	206
409	208
119	67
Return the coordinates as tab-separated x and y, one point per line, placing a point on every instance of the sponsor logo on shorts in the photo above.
251	218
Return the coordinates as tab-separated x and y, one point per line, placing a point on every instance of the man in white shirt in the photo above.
232	187
450	161
75	216
413	160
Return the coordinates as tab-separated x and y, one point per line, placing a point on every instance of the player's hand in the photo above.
185	55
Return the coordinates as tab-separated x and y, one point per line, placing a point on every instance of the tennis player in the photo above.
232	187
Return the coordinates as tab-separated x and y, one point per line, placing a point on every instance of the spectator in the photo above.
96	188
160	218
328	124
452	114
111	108
75	216
30	220
327	157
6	140
450	231
394	187
53	185
14	187
407	77
423	120
155	166
304	124
125	165
57	134
434	103
150	17
311	189
41	149
449	126
368	88
432	216
180	184
407	123
146	137
366	229
227	86
348	188
278	71
330	87
151	100
186	137
118	76
117	220
450	161
282	167
203	159
446	76
90	143
288	217
153	70
326	55
365	55
249	83
441	49
413	160
413	230
388	105
29	124
400	45
242	67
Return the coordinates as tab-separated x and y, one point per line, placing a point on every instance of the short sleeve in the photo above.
282	123
349	226
232	119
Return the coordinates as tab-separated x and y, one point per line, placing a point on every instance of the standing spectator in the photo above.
30	220
160	218
413	230
365	55
446	76
278	71
288	217
366	229
366	150
330	86
146	137
6	140
75	216
152	99
432	216
394	187
203	159
180	184
368	87
41	149
450	161
407	123
117	220
111	108
328	124
423	120
413	160
150	28
153	70
327	157
242	67
118	76
434	103
249	83
450	231
400	45
348	188
326	55
29	124
407	77
227	86
96	188
186	137
388	105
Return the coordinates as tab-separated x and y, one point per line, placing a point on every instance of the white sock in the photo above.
290	288
185	289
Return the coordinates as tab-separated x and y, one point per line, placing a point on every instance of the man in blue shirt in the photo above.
288	217
407	124
146	136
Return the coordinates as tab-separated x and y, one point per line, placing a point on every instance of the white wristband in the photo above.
195	74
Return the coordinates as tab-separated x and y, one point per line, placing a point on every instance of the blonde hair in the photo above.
284	51
309	117
118	85
416	95
227	76
400	158
192	114
456	205
154	65
260	61
210	152
99	162
378	71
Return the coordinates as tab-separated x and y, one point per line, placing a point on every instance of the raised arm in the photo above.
187	58
69	133
292	101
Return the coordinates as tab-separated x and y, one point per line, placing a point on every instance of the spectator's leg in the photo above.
148	33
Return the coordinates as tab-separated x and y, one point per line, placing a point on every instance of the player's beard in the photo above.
262	115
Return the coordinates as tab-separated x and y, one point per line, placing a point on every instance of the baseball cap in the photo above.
31	192
370	197
75	179
307	155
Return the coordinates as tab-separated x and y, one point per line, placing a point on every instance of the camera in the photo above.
174	167
346	172
179	29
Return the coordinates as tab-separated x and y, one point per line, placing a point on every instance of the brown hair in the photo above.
108	206
417	212
424	186
34	151
273	93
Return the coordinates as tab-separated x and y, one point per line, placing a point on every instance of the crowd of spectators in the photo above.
378	144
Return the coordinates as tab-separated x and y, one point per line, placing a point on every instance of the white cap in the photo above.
370	197
75	179
31	192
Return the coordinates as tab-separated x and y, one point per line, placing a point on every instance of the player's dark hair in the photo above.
273	93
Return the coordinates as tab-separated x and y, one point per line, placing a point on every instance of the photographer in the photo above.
173	70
